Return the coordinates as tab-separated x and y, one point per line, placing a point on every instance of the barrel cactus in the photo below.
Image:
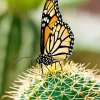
74	82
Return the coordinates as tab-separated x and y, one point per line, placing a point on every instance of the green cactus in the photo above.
74	82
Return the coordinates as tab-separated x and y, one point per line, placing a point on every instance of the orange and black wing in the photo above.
60	42
50	15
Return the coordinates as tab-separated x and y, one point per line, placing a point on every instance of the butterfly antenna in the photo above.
18	59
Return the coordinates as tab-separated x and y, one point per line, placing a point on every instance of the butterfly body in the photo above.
57	38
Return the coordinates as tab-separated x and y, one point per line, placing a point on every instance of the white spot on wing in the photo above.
47	20
45	11
43	25
51	14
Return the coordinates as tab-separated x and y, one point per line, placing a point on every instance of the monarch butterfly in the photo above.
57	39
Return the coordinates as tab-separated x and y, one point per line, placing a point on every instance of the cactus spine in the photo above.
74	82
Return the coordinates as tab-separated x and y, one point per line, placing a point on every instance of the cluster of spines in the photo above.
74	82
62	86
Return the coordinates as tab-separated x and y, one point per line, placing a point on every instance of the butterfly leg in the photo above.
32	62
47	68
41	69
61	66
55	66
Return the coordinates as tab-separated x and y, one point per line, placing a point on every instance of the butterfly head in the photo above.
44	59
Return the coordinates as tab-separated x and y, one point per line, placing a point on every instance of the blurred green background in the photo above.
20	22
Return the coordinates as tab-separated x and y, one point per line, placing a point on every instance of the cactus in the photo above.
74	82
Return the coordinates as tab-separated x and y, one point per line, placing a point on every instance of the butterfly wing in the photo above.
50	15
60	42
